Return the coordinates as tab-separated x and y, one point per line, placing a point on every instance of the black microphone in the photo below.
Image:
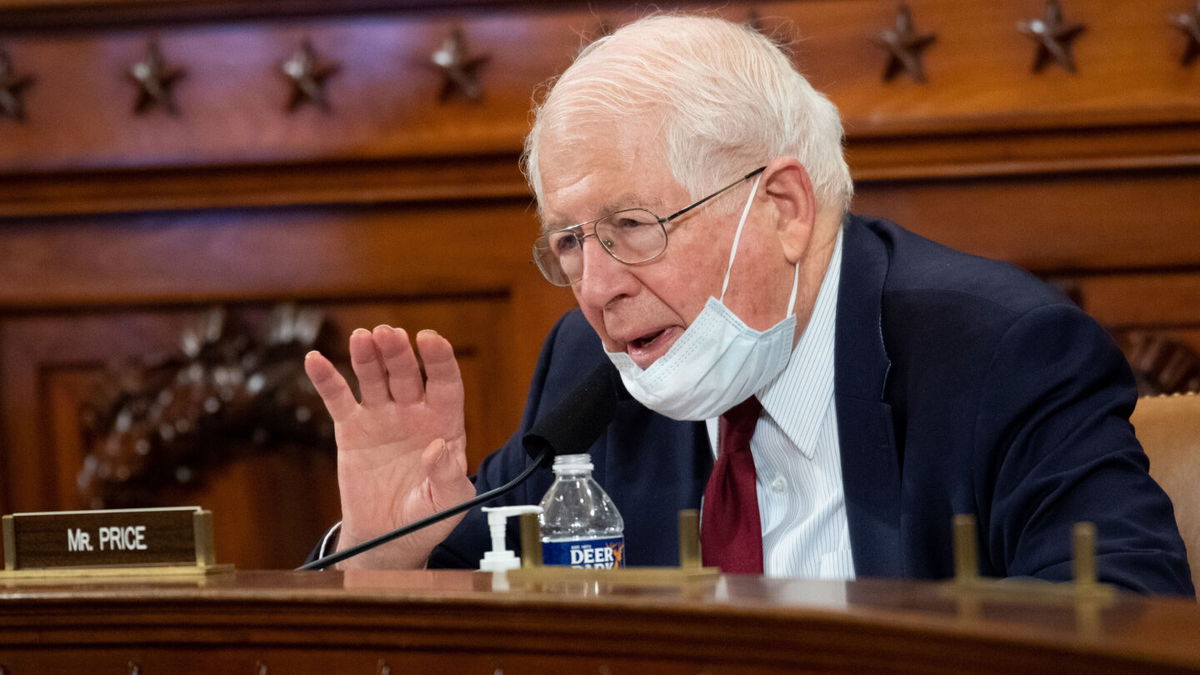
575	423
570	428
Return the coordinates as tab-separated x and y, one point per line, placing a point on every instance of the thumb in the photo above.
447	478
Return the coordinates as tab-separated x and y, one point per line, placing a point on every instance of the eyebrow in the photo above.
629	200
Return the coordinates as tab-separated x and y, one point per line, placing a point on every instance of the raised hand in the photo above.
402	449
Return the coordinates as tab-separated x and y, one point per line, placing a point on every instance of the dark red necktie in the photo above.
730	530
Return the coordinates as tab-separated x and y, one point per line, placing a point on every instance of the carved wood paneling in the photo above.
387	94
437	249
1163	361
1077	222
398	205
1155	320
50	363
225	393
1144	299
466	179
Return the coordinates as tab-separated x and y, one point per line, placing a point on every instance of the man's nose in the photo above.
603	278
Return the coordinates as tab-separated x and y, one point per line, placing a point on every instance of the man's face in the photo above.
643	309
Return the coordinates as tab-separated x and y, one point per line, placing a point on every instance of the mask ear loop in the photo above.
791	308
737	237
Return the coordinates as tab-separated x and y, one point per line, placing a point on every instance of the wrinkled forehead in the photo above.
589	170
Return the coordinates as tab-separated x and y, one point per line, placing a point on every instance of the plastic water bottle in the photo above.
580	524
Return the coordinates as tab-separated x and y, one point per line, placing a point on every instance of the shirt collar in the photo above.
798	399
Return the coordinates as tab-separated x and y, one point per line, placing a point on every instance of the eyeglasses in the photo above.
630	236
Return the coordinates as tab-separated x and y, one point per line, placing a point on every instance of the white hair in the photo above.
729	100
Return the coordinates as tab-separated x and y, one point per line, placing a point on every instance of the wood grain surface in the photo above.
318	622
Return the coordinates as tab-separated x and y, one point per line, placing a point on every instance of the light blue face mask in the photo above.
719	361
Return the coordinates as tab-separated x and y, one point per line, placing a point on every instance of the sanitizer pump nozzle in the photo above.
500	558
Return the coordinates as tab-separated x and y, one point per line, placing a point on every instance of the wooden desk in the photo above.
452	621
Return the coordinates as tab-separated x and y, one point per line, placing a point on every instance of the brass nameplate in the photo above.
119	541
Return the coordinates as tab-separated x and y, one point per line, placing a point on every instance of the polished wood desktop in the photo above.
462	621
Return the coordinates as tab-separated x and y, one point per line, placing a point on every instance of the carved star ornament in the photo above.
155	81
904	46
11	86
459	68
307	74
1053	37
1190	25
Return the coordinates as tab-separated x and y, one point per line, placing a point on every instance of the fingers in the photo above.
368	367
387	370
443	385
403	374
330	386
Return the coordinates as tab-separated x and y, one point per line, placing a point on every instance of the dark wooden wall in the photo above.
403	204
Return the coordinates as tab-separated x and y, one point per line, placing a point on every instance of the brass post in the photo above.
531	541
689	539
10	544
1083	556
966	554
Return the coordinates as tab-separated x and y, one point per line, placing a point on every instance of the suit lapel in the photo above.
870	465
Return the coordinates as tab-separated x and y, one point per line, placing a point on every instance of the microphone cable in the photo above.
334	558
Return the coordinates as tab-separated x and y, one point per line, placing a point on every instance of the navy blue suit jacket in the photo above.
963	385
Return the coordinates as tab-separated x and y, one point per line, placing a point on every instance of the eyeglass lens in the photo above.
631	236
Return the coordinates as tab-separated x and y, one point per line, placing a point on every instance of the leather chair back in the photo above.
1169	429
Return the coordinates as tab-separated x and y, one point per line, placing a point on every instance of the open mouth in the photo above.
646	340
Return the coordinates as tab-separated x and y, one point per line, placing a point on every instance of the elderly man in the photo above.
694	196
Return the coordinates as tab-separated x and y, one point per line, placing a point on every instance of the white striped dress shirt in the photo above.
801	501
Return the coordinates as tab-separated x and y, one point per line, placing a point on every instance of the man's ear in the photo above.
787	184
